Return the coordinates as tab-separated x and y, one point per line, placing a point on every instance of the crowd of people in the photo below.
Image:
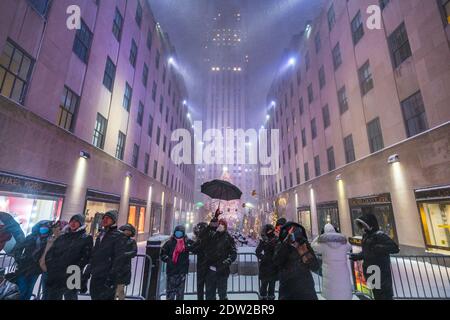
52	248
284	253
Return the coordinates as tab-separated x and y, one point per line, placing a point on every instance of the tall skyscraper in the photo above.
225	98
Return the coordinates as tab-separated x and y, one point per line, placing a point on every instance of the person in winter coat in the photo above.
220	253
72	248
334	248
175	252
198	248
376	250
56	231
27	255
8	290
268	271
130	252
107	259
295	259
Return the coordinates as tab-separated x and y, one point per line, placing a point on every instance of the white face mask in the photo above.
221	228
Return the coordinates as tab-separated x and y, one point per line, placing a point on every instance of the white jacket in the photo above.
333	247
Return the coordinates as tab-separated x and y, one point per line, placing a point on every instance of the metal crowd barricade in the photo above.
136	290
243	277
413	277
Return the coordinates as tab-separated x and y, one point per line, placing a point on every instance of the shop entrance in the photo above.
304	218
381	207
434	210
328	213
97	204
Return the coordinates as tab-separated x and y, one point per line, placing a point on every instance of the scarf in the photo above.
179	248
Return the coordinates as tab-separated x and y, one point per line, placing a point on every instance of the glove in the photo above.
227	262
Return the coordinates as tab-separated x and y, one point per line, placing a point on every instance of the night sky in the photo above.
271	25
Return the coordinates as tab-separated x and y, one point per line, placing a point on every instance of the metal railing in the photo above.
137	289
413	277
243	277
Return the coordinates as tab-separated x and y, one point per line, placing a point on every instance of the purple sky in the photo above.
271	25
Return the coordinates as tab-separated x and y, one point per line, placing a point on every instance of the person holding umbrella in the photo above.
220	253
220	250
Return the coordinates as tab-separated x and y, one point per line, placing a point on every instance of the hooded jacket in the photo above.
70	248
28	252
182	265
124	276
107	255
265	252
296	281
376	250
334	248
198	248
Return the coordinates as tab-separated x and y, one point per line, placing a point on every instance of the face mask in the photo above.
179	234
221	228
44	230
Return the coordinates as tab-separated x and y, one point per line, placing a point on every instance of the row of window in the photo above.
416	121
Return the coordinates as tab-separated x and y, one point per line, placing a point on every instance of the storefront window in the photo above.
436	224
29	210
328	214
304	218
385	219
136	217
156	215
94	214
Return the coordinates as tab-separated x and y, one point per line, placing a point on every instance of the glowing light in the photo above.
184	102
225	169
308	30
267	117
292	61
171	61
273	103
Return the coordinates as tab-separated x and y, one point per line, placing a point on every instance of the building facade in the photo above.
87	114
364	121
226	104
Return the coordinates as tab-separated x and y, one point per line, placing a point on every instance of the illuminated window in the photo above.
15	70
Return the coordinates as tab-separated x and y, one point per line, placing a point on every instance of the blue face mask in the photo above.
44	230
179	234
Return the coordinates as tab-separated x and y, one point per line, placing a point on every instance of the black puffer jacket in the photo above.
71	248
265	252
107	255
199	248
376	250
125	271
220	252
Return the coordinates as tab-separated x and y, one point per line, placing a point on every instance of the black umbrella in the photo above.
10	232
222	190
